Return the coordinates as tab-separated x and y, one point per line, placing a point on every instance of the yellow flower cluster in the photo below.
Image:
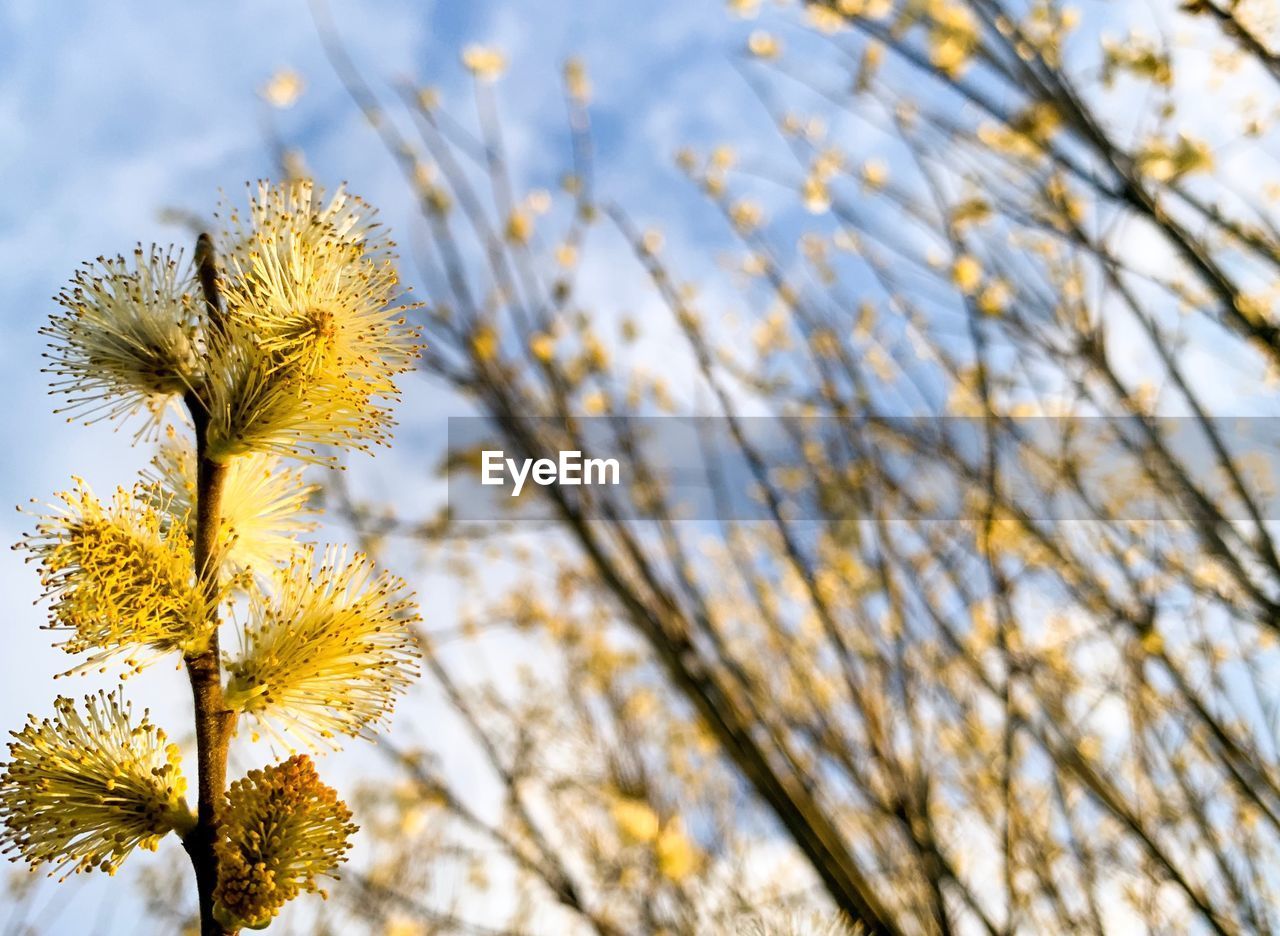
327	653
81	791
256	405
264	505
306	355
119	576
281	829
128	339
316	328
317	281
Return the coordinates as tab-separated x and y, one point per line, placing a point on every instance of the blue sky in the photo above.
114	113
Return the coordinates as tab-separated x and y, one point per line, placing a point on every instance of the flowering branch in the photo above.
286	351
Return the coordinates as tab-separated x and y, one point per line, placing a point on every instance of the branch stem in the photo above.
215	722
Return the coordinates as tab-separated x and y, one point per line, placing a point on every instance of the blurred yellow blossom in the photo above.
283	89
1164	160
576	81
566	255
651	241
485	62
815	195
543	346
870	9
966	273
635	819
824	19
764	45
953	35
519	226
875	173
484	343
677	855
994	298
746	215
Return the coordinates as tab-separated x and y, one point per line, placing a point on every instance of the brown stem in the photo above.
214	721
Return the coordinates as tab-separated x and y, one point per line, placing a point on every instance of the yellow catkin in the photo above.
119	576
317	328
266	504
327	653
80	791
281	829
127	340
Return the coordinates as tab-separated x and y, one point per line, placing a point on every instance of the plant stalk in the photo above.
214	721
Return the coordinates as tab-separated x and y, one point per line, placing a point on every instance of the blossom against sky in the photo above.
121	121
